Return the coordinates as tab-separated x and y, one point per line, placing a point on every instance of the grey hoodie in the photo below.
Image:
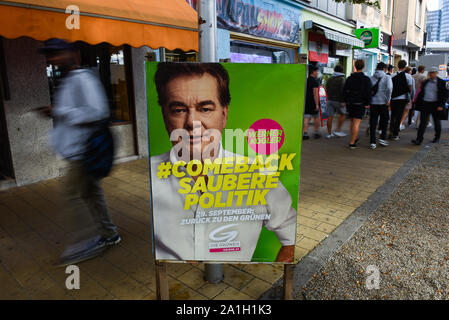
79	100
383	95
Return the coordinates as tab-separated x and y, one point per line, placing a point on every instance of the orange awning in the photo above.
155	23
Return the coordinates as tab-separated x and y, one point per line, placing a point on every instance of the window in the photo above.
418	12
178	55
112	65
364	9
256	53
387	8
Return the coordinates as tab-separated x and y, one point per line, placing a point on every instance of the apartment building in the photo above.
408	29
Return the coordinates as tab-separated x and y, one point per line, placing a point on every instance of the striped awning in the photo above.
334	35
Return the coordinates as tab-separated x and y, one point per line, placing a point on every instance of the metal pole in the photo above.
208	30
213	273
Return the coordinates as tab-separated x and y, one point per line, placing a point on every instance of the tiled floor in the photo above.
34	220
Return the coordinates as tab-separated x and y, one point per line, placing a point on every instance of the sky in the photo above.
432	5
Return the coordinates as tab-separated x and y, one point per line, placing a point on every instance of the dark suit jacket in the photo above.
442	93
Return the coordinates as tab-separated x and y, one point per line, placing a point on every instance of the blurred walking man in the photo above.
79	105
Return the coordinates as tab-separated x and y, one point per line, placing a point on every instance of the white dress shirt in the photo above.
176	241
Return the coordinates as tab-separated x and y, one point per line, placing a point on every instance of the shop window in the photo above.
180	56
112	65
245	52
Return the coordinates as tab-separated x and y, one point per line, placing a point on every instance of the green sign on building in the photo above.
370	36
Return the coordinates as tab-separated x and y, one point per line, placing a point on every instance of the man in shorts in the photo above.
357	98
334	89
312	104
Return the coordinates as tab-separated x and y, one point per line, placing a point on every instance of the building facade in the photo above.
328	37
408	29
369	17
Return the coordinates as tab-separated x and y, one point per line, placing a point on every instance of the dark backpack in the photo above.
375	88
400	85
99	155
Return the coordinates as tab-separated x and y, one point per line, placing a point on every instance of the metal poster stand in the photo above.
208	53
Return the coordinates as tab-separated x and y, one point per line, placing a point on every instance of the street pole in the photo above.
207	12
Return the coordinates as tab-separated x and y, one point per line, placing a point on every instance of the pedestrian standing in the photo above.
381	91
402	88
409	105
311	109
419	77
431	101
334	89
390	70
357	98
80	109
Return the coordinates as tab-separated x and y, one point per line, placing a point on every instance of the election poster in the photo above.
225	147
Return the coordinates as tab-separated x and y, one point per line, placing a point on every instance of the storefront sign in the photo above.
318	47
385	42
370	36
225	160
262	18
343	50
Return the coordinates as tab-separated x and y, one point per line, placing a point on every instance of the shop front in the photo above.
116	55
328	47
256	31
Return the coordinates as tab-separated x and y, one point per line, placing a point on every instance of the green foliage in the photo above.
366	2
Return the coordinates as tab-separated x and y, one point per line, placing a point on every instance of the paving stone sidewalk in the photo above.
405	239
34	219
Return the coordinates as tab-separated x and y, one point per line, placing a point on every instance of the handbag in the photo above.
99	155
444	114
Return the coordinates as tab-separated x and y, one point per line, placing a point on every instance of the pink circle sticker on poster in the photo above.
265	136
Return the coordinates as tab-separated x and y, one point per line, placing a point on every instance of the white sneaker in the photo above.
372	146
340	134
330	135
383	142
429	125
401	127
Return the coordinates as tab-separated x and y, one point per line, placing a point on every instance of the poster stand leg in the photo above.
161	281
289	271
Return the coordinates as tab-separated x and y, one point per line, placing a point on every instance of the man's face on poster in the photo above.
195	98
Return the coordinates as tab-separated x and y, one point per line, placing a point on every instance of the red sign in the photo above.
318	48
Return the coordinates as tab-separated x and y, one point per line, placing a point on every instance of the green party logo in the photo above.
367	37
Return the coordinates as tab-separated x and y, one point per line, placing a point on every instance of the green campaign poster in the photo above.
225	146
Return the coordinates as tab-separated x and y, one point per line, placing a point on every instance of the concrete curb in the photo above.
315	260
